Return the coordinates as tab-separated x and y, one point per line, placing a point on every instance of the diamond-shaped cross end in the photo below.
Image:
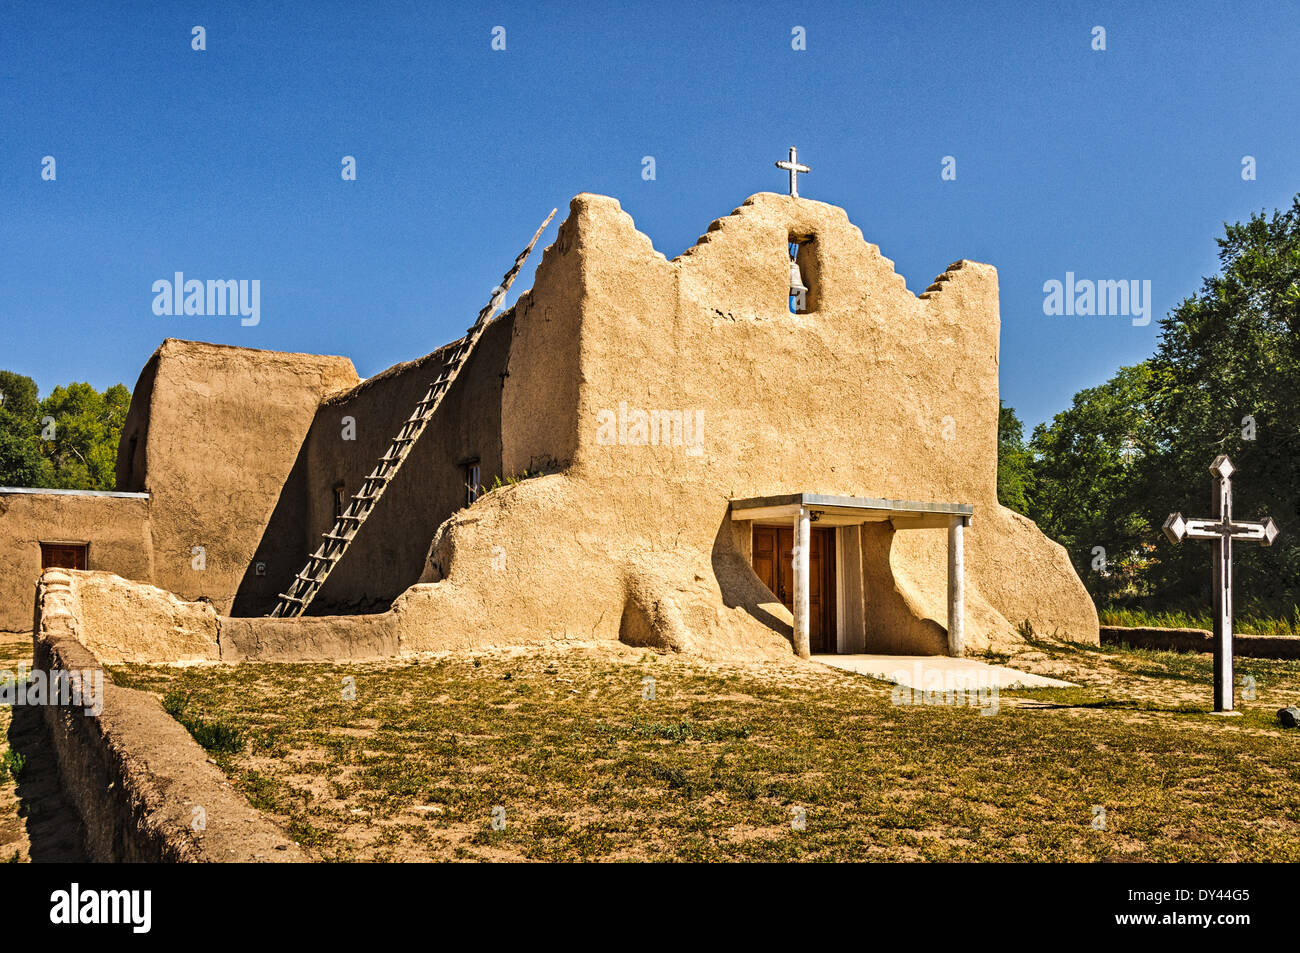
1270	532
1222	467
1175	527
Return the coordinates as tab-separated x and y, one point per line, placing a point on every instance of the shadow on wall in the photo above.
740	585
893	621
283	548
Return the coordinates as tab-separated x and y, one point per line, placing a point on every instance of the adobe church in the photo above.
679	454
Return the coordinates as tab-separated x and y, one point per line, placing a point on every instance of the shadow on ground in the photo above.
54	830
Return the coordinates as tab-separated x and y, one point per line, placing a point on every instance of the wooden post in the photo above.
802	549
956	587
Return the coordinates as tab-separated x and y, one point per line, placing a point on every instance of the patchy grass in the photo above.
564	749
1243	625
11	765
215	736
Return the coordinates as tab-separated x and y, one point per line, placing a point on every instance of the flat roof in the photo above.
44	491
849	510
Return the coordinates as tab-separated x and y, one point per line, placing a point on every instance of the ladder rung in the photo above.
322	562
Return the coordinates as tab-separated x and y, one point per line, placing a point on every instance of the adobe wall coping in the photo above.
49	491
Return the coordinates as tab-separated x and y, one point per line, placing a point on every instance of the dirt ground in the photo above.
569	753
37	823
598	751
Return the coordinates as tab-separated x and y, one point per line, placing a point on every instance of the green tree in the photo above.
1087	473
1226	379
1014	478
86	428
67	440
21	463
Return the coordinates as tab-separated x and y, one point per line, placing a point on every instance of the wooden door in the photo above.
773	561
63	556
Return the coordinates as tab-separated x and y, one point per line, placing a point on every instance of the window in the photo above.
473	482
63	555
340	499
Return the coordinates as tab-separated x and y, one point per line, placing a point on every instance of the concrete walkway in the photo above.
939	672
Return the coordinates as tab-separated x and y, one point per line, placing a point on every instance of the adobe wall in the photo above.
116	529
132	772
389	551
877	392
224	428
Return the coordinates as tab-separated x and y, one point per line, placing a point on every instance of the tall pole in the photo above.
802	547
1222	582
956	588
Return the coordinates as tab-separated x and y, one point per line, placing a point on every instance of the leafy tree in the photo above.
87	427
17	396
78	450
1087	476
21	463
1226	379
1013	461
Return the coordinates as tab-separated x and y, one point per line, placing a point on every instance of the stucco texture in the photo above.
114	529
873	392
212	434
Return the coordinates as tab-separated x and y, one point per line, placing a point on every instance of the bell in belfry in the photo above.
797	286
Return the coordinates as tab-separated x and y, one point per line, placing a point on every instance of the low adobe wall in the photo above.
114	525
124	622
1199	640
133	773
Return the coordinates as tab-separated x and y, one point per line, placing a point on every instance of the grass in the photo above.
580	766
1244	625
215	736
11	764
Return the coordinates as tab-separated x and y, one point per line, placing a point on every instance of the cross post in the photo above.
794	168
1222	529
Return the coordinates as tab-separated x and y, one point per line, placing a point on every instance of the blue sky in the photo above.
1120	164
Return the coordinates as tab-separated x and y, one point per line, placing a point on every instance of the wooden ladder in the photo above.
307	583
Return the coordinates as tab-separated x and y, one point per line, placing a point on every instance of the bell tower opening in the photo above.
803	274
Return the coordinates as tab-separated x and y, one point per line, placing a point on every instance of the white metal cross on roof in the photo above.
794	168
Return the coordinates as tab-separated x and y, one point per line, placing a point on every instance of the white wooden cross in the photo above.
794	169
1223	530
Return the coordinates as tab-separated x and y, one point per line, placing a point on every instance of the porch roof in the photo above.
850	510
